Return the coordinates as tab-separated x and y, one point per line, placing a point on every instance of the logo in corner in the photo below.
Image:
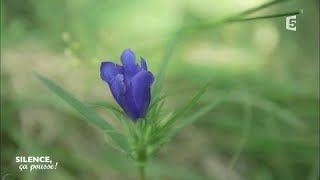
291	23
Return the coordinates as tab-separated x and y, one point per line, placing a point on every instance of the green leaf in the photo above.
196	116
155	107
297	12
261	7
89	114
156	102
188	105
116	111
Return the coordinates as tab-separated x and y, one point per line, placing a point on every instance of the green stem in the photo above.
206	24
268	16
263	6
142	173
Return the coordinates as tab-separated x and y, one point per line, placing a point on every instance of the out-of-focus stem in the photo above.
268	16
238	17
258	8
142	173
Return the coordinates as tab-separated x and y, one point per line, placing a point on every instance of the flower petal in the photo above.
118	89
109	70
128	60
143	64
130	106
140	86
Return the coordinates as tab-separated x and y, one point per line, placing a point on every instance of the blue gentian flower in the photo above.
129	84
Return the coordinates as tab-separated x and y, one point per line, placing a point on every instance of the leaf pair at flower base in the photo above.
164	126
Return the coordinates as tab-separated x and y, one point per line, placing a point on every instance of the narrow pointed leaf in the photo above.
192	119
211	23
89	114
107	106
188	105
118	113
156	102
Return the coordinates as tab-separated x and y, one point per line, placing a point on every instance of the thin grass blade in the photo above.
198	115
187	107
89	114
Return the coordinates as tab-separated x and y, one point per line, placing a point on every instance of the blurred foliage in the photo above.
264	84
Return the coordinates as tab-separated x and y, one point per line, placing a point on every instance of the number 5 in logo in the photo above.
291	23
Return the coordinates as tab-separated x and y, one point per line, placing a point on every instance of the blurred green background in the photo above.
267	129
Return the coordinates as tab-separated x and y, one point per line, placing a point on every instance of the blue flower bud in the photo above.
129	84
